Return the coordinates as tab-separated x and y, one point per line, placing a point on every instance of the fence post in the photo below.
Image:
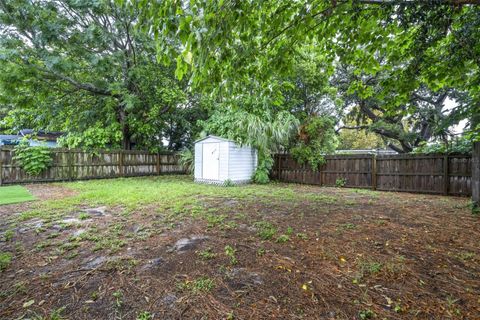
320	174
446	178
374	172
277	158
1	166
158	164
476	175
70	157
121	165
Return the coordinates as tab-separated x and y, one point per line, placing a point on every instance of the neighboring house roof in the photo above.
214	137
41	134
9	137
364	151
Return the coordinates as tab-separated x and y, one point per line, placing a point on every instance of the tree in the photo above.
227	42
422	116
85	68
359	139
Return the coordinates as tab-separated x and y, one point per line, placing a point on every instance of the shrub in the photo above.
34	160
316	138
341	182
187	160
261	175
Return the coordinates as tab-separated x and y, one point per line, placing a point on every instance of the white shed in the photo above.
218	160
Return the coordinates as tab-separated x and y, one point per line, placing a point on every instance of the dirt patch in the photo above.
340	254
50	191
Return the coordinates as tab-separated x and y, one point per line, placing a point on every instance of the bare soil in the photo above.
356	255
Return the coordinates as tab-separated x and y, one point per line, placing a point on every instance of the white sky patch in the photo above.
458	128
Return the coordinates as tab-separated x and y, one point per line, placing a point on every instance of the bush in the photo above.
316	138
341	182
261	175
34	160
187	160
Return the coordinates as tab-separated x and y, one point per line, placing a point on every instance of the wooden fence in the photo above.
436	174
68	165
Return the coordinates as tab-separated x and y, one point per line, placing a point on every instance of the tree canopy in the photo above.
83	67
421	46
155	74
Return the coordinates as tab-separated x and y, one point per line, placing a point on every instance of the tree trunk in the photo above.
126	139
126	134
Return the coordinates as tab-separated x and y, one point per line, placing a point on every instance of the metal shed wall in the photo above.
242	163
236	163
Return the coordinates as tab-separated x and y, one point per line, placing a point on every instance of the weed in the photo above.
20	287
112	243
121	264
283	238
8	235
302	236
5	260
206	254
346	226
53	235
340	182
366	314
369	268
466	256
144	315
72	255
199	285
475	208
452	306
57	314
229	183
68	246
94	295
118	298
230	252
266	230
261	252
83	216
214	220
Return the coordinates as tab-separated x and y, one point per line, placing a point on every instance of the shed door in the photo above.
211	161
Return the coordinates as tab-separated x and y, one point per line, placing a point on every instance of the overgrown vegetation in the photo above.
33	160
317	138
187	160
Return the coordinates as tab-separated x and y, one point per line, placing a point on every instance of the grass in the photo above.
175	196
257	239
200	285
206	254
15	194
266	230
5	259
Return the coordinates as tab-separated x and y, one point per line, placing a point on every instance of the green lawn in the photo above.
14	194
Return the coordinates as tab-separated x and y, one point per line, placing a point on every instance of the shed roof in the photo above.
214	137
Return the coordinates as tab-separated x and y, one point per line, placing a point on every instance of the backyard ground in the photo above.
166	248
